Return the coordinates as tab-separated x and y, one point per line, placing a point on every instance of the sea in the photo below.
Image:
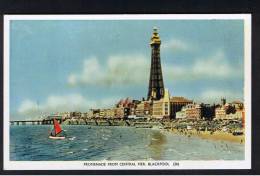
95	143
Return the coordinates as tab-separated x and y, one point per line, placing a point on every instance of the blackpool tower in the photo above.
156	87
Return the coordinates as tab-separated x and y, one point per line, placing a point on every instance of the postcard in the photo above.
106	92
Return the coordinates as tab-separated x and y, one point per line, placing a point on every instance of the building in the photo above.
238	105
122	112
93	113
119	112
191	111
84	115
220	112
125	103
90	114
109	113
102	113
234	110
238	115
134	107
143	109
161	108
156	86
228	111
123	108
75	114
65	115
176	104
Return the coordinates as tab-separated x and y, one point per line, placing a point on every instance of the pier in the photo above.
26	122
46	121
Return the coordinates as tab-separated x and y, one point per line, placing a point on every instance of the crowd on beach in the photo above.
231	130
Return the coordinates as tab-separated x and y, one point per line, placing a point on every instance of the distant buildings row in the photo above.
166	108
224	111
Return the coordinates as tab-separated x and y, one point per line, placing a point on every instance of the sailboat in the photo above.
56	132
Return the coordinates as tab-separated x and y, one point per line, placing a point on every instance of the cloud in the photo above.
214	96
55	103
125	70
177	45
28	107
216	66
118	70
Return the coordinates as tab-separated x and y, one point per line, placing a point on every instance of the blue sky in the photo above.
77	65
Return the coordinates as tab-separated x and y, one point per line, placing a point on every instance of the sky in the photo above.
74	65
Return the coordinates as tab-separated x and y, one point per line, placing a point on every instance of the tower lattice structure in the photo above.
156	86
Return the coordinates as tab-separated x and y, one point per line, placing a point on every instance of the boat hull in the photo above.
57	137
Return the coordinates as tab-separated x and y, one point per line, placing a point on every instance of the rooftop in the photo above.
237	102
124	102
180	99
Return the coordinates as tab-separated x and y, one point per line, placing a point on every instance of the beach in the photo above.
216	135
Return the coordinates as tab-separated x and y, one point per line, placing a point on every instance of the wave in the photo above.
72	138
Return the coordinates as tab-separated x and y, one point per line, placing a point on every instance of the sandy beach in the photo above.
217	135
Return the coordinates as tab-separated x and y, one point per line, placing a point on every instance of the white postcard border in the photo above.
81	165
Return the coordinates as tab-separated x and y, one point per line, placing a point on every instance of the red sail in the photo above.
57	127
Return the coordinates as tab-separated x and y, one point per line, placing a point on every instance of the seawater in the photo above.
31	143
